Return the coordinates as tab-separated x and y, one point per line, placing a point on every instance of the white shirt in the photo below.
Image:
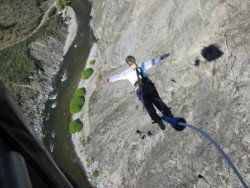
130	74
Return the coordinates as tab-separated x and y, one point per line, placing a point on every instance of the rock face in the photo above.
214	95
48	53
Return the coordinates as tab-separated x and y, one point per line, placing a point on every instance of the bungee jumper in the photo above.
137	75
144	88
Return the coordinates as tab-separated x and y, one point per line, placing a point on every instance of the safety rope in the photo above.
224	155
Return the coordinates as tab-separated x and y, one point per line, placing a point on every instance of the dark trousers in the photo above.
151	99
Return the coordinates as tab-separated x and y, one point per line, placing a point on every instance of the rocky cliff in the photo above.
51	43
48	53
207	86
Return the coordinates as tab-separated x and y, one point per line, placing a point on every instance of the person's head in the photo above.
130	60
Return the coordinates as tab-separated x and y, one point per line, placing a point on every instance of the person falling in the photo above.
145	89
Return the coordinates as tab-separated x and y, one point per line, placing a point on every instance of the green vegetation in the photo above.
52	11
80	92
83	143
75	126
237	88
95	174
90	161
214	71
16	65
19	19
92	62
93	97
77	101
76	104
87	73
100	76
1	27
68	18
64	3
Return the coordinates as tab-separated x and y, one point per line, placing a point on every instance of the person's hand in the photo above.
164	56
104	81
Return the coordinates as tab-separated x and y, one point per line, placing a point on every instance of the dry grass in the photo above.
19	18
16	65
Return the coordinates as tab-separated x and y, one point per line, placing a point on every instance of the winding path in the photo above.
44	19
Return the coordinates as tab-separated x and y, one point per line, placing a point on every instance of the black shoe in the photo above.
161	125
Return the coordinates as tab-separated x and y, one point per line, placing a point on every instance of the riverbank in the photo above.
49	51
83	115
28	67
70	19
56	120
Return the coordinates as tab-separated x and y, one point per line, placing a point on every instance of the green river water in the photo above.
56	120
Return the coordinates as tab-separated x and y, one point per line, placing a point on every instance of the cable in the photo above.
224	155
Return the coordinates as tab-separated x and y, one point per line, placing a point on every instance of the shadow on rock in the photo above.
211	52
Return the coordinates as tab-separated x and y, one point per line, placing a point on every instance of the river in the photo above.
56	114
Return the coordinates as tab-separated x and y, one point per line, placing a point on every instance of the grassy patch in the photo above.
52	11
16	65
64	3
18	19
79	93
95	174
90	161
75	126
87	73
92	62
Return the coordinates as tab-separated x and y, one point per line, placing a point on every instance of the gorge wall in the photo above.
214	95
45	50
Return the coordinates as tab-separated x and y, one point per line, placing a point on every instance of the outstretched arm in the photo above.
148	64
121	76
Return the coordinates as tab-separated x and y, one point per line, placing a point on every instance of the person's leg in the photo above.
147	103
152	113
150	109
139	95
158	102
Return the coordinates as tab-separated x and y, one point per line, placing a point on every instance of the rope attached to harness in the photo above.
179	124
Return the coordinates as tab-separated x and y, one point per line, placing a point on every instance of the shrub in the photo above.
77	101
76	104
92	62
75	126
80	92
87	73
64	3
95	174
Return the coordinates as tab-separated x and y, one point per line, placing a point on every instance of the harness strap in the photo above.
139	73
